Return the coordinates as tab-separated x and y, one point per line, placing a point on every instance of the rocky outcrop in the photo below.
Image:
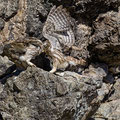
8	8
106	39
90	94
111	109
115	90
5	63
36	94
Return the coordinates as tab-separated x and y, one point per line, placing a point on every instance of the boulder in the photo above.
37	94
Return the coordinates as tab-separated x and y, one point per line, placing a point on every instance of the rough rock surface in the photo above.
35	94
8	8
105	40
110	110
5	63
116	91
36	16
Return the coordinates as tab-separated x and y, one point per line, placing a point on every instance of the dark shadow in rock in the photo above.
65	3
41	17
91	119
67	115
11	71
109	79
93	57
107	96
15	88
42	62
8	71
2	23
1	118
7	18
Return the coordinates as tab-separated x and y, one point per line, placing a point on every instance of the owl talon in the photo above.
31	64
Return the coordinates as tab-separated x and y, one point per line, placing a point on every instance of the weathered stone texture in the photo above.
35	94
36	16
8	8
105	40
5	63
110	111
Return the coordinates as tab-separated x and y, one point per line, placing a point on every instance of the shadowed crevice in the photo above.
1	118
42	62
11	71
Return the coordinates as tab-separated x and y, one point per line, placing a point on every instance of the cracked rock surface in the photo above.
36	94
90	93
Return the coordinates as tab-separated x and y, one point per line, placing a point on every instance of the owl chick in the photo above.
60	37
59	59
58	29
22	51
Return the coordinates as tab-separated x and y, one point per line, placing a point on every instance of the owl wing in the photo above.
58	26
59	18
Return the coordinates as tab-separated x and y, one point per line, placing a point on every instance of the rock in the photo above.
1	88
82	34
15	27
2	23
5	63
96	70
105	41
106	28
115	95
8	8
115	69
36	15
1	48
109	110
103	91
36	94
119	20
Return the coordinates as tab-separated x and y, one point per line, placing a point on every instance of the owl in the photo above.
59	59
60	37
58	28
22	51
